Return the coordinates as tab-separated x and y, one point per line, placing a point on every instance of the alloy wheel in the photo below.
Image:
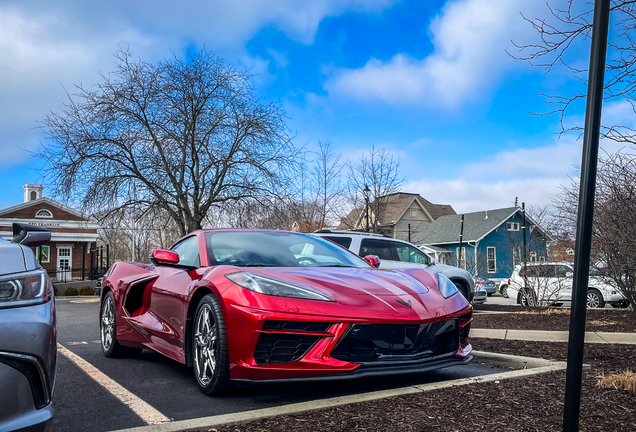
108	323
592	300
205	345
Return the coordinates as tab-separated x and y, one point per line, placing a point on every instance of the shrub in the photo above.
86	291
71	291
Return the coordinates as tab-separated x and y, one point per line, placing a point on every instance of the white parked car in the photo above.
552	283
396	254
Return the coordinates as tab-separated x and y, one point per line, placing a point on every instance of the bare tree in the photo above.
561	32
380	172
188	134
326	175
614	225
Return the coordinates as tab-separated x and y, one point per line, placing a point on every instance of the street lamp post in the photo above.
366	192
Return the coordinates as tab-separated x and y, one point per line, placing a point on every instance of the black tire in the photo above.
461	286
209	348
108	331
489	294
503	290
595	299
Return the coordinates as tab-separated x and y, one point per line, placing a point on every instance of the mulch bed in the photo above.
530	404
523	318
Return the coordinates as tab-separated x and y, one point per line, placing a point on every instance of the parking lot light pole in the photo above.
366	192
583	244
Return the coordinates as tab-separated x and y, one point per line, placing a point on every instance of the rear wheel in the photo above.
595	299
503	290
209	348
108	331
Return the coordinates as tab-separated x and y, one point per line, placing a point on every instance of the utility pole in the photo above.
133	219
409	233
366	192
583	245
461	241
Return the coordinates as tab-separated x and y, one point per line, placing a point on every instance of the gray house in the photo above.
492	241
401	215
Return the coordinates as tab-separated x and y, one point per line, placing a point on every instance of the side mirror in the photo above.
569	274
372	260
164	256
30	235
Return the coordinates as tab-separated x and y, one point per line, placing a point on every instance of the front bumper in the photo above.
28	354
480	297
308	348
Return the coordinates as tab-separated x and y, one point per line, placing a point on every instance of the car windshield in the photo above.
276	249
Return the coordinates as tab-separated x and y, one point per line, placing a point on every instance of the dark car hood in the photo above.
12	258
372	293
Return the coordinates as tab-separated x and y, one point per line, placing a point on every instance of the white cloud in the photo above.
533	175
48	46
470	38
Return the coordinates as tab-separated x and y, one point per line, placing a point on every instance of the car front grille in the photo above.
369	343
282	348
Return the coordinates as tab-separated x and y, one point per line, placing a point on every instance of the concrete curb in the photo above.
532	366
552	336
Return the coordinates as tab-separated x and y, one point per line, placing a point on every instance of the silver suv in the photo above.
396	254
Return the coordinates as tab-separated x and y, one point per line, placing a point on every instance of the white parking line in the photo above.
147	413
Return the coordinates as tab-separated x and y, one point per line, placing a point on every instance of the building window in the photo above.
461	260
413	213
45	252
533	257
491	254
542	259
512	226
44	213
34	195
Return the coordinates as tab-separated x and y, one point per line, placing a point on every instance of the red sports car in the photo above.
257	305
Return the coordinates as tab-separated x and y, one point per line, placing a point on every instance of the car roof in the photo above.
345	232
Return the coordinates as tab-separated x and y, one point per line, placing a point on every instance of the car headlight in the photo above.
267	286
446	287
25	289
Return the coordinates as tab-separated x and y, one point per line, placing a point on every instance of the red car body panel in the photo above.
155	303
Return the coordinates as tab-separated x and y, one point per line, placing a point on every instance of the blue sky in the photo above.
430	81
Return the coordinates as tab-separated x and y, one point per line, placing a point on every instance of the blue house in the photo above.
492	241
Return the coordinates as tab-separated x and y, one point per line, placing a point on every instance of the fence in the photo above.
74	274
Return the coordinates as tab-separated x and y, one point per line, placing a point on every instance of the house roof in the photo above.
46	200
395	205
476	226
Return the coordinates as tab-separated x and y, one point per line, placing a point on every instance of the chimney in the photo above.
486	215
32	192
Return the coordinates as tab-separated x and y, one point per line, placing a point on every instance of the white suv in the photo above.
552	284
396	254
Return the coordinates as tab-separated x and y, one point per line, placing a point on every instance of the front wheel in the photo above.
595	299
526	298
108	331
209	348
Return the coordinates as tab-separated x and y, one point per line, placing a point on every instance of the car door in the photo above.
170	291
563	280
409	256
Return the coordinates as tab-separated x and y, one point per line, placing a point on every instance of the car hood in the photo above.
410	294
12	258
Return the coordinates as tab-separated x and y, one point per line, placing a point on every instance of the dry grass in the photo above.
624	381
602	322
549	311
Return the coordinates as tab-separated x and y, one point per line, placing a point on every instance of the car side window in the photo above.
382	248
188	250
407	253
342	241
562	271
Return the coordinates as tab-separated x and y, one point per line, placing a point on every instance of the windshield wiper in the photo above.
255	265
335	265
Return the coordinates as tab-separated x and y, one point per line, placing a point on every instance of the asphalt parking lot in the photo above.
83	403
